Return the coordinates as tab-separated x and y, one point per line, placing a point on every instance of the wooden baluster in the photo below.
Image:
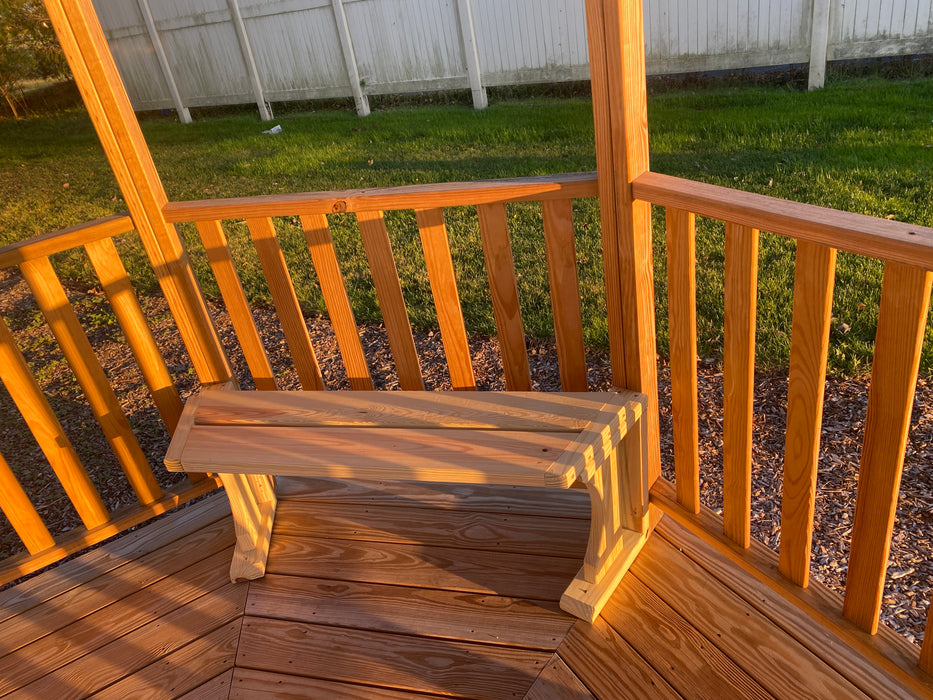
905	300
48	432
741	288
286	303
19	510
813	305
324	257
682	328
926	652
52	300
228	281
500	267
378	249
116	284
565	292
446	298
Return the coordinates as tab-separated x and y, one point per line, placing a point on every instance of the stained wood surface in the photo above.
873	237
382	266
430	196
287	306
249	683
446	298
20	512
324	257
500	271
228	281
558	682
902	319
741	293
47	244
682	325
813	300
218	688
565	293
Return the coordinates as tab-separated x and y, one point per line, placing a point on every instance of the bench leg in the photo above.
252	503
618	526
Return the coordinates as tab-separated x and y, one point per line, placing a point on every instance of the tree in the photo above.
28	48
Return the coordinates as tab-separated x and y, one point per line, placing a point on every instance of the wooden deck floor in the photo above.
374	591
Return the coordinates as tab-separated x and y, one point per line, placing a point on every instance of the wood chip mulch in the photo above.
910	574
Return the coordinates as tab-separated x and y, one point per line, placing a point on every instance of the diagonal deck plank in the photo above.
558	682
249	684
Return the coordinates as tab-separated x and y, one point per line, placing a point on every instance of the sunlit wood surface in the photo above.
388	591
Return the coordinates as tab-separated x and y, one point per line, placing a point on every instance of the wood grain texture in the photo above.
469	617
228	281
902	319
608	666
813	301
558	682
873	237
381	260
74	344
746	636
21	514
92	65
526	576
324	257
446	298
395	661
565	293
926	652
286	303
428	196
691	663
741	292
500	270
550	535
682	326
48	432
249	684
882	665
116	285
217	688
47	244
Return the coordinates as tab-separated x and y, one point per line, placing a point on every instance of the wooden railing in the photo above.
908	254
32	257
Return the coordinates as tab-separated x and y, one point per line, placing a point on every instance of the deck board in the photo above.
397	591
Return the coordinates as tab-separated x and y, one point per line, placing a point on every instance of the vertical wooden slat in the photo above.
18	509
324	257
500	267
620	100
221	262
286	303
116	284
44	425
682	328
52	300
741	289
813	304
446	298
926	651
565	292
905	300
378	249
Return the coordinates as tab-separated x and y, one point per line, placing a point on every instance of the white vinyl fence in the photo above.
192	53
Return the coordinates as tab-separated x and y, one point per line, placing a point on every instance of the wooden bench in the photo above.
505	438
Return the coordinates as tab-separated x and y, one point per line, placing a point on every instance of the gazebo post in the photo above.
95	72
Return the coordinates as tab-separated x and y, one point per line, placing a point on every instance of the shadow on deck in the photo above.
378	590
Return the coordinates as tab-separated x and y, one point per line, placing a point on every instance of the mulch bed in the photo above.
910	574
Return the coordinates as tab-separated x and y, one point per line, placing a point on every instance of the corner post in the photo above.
617	72
95	72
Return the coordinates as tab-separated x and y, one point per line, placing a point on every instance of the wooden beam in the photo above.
183	114
819	43
349	58
471	54
249	61
95	72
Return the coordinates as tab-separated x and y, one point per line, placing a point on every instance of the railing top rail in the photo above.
565	186
64	239
854	233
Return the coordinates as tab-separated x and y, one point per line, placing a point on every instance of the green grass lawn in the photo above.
861	144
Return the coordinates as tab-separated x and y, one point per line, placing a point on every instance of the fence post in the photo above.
615	32
246	49
95	72
183	114
471	54
819	43
349	57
